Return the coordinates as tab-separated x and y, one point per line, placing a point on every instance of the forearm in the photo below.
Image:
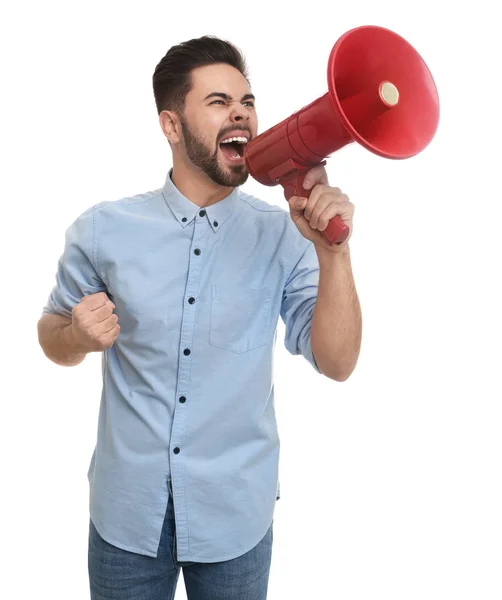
336	322
55	338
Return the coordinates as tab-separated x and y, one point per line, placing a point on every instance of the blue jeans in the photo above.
116	574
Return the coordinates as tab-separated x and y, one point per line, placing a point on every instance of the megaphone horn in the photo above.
381	94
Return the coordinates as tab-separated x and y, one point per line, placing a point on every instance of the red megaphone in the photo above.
381	94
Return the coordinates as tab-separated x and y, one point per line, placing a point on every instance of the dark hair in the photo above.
172	76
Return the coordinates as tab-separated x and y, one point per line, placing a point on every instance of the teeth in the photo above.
241	140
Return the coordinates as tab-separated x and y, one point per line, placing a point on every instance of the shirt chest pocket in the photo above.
240	318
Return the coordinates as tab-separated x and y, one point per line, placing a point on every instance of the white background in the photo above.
391	481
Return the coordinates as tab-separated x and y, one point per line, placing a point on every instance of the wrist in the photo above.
68	334
335	254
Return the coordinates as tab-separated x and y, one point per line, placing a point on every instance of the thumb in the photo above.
296	209
297	206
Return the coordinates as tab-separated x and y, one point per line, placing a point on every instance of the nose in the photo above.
239	113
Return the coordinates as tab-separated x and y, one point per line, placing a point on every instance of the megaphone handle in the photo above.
337	231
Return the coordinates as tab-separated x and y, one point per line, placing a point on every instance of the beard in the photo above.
202	157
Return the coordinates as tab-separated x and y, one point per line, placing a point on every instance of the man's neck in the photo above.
195	185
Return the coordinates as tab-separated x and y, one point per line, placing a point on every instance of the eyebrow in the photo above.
227	97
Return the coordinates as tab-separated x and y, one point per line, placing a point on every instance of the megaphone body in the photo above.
381	94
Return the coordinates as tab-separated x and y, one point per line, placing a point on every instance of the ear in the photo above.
171	126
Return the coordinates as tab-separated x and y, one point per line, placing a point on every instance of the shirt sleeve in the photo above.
298	302
76	275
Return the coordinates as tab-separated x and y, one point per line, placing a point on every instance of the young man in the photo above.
181	289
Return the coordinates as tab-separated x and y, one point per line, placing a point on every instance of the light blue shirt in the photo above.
188	391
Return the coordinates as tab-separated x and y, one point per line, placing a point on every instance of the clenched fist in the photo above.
94	325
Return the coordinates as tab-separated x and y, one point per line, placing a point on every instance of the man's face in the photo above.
219	106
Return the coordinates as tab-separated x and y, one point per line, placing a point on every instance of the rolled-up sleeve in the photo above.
298	302
77	274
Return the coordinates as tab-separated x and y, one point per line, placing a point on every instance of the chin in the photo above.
238	178
230	176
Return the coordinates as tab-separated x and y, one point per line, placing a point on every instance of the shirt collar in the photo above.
186	211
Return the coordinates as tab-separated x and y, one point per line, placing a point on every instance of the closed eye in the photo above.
248	103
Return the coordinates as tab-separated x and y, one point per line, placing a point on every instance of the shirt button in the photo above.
202	213
182	399
197	251
176	451
186	351
215	223
184	219
191	300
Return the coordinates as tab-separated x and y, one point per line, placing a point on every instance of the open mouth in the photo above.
233	148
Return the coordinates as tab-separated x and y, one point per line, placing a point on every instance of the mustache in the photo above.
244	129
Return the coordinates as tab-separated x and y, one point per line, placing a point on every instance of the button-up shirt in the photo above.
188	393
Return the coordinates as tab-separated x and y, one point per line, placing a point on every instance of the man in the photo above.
181	289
